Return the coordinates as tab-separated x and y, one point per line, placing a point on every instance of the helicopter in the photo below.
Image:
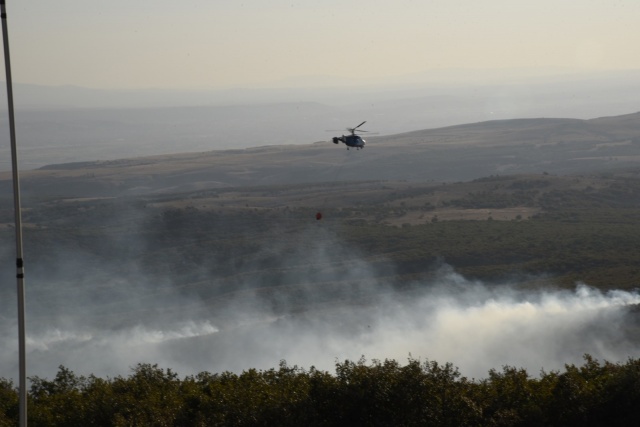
352	140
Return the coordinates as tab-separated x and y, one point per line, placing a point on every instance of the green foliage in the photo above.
359	393
597	246
212	243
8	404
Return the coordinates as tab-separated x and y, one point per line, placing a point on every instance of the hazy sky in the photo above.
230	43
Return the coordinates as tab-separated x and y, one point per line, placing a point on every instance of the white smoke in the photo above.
448	319
50	338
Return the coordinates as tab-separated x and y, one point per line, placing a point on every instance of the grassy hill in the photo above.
457	153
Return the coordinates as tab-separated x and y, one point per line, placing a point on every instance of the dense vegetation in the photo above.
359	393
598	246
585	229
213	243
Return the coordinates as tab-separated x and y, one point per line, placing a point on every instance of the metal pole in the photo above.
18	225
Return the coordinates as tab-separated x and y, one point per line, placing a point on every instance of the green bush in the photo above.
359	393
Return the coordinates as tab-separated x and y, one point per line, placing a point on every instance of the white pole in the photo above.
18	225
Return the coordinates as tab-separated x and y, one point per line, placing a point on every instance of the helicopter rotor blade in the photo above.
359	125
351	130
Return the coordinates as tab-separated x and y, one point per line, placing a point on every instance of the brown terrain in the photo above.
451	154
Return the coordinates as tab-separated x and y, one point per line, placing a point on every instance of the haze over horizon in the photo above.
400	66
197	44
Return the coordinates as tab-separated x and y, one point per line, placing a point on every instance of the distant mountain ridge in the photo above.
70	124
454	153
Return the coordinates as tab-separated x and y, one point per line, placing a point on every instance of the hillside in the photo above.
232	221
239	243
457	153
244	275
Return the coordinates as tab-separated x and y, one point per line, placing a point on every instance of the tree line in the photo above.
376	393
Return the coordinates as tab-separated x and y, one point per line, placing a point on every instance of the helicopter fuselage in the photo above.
355	141
352	140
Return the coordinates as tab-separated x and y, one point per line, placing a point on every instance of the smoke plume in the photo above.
449	319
